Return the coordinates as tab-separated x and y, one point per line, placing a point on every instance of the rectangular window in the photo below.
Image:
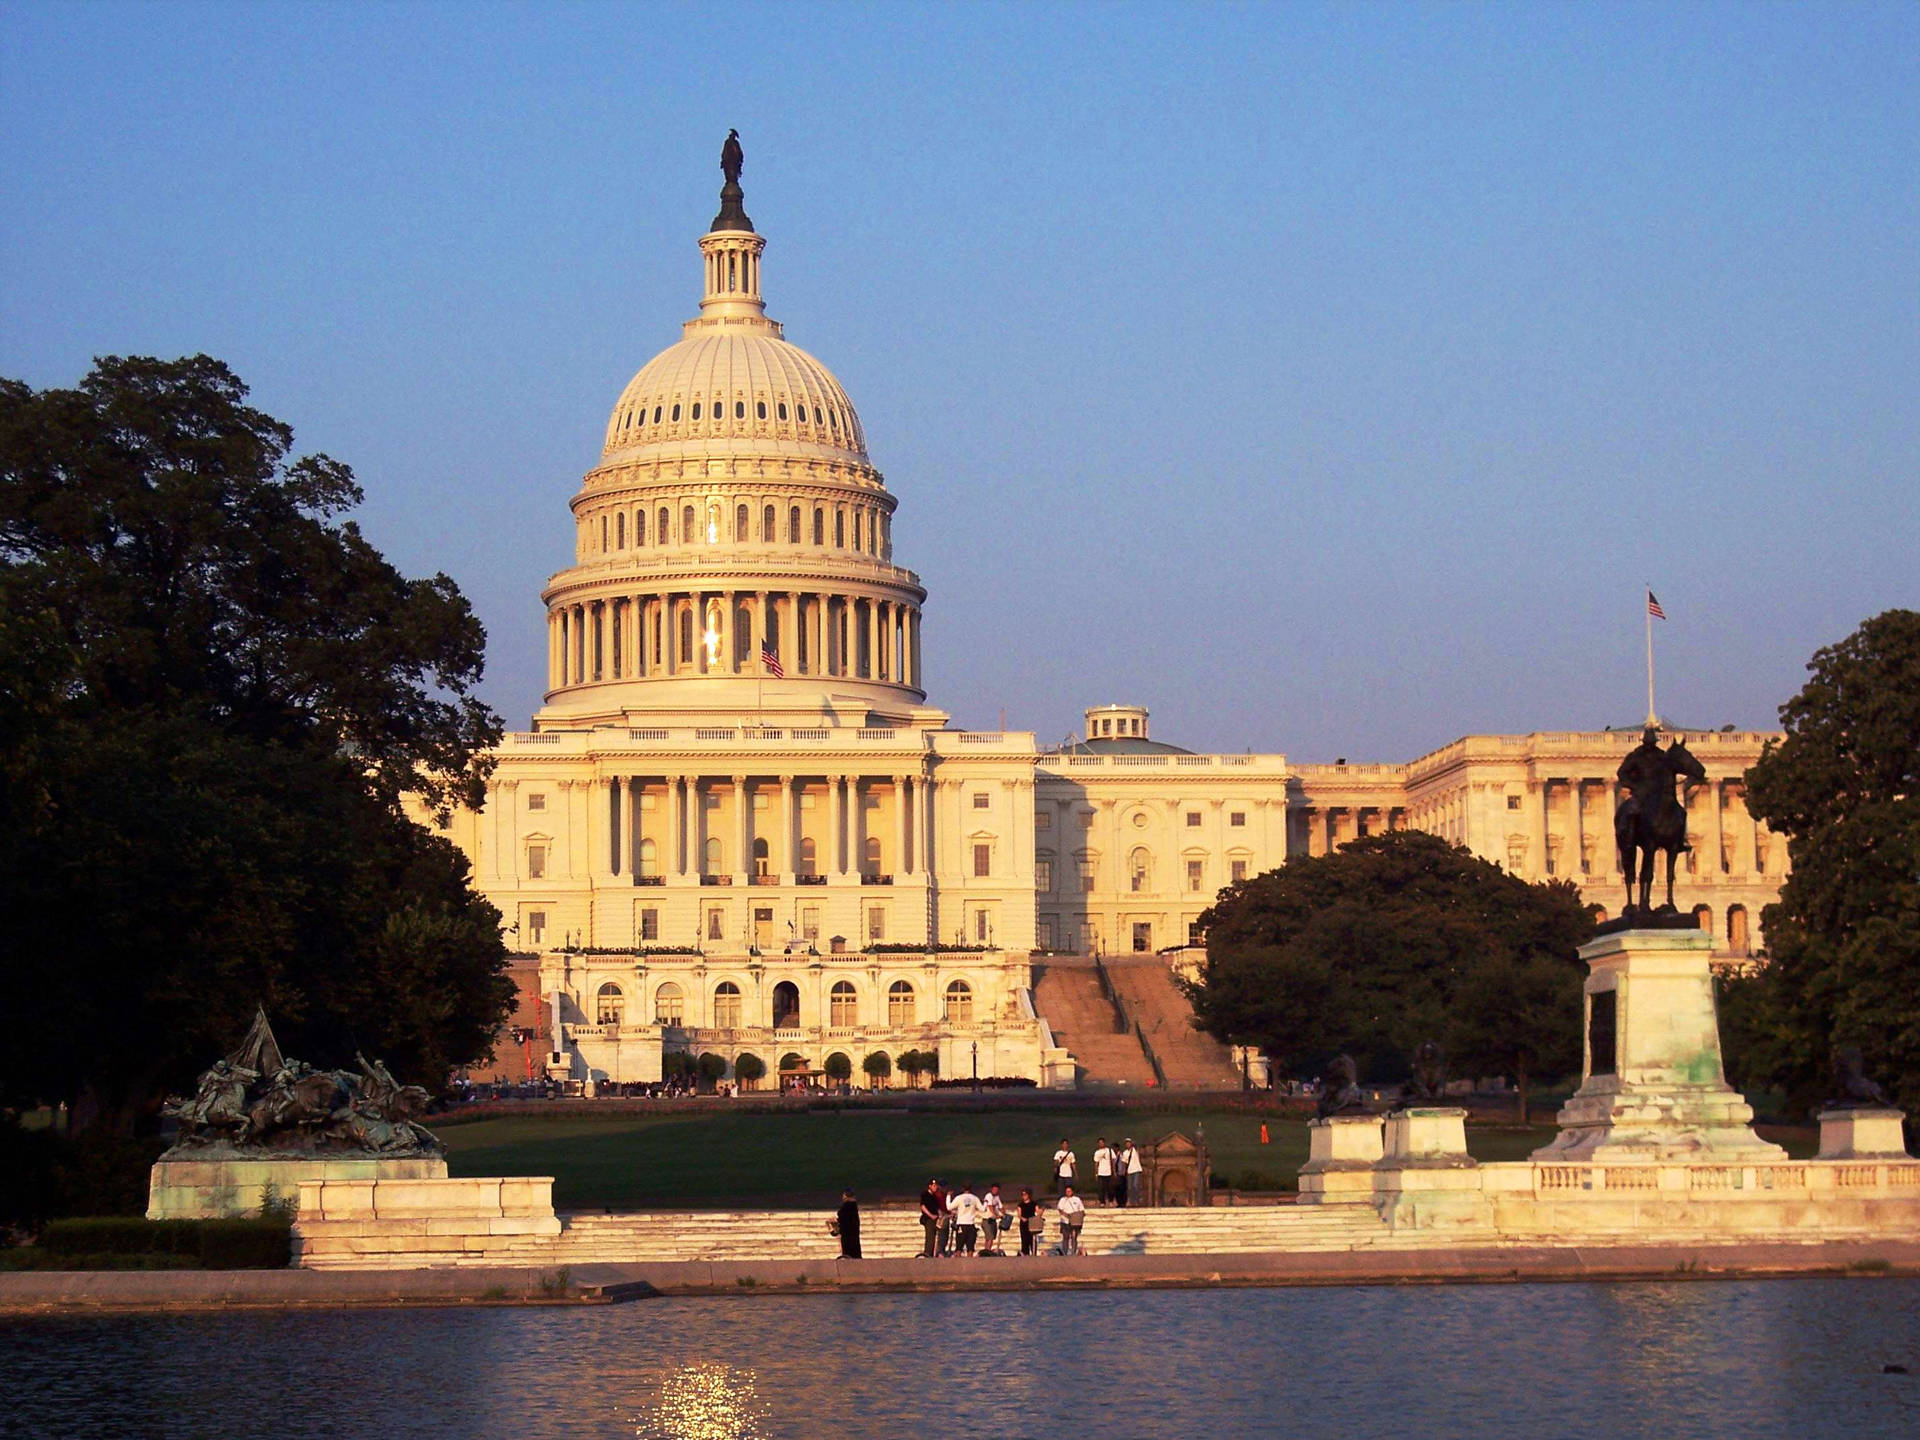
1513	802
536	862
1196	874
810	924
1043	876
649	924
981	929
1043	932
1238	819
1239	871
1194	935
1043	820
876	925
536	927
981	800
1142	936
1193	819
536	802
983	860
1086	877
716	925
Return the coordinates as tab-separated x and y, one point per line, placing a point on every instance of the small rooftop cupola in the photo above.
1116	722
732	252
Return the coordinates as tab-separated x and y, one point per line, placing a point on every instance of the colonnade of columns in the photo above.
846	845
1326	827
730	632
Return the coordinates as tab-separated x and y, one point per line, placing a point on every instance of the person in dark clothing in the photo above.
933	1209
847	1225
1028	1210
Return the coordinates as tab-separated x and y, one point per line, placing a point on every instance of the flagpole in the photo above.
1652	718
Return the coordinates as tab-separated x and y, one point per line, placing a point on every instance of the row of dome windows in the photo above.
843	1002
826	417
872	528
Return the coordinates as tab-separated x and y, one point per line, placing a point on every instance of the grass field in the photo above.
804	1158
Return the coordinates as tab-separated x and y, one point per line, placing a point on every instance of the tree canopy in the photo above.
1388	941
1843	939
213	695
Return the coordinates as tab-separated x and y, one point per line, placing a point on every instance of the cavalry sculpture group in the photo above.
1651	820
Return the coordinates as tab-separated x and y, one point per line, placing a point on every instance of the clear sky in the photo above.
1329	379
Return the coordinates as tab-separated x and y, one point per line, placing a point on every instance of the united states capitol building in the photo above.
736	825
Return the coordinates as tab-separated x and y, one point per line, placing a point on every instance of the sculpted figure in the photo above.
1428	1083
1340	1090
1651	818
1856	1091
732	158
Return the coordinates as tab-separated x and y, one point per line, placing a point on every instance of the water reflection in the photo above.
1737	1359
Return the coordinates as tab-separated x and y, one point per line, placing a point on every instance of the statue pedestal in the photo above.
1863	1135
1653	1087
1427	1138
1426	1180
1341	1153
222	1187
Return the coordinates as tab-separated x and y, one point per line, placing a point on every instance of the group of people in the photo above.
960	1222
1118	1172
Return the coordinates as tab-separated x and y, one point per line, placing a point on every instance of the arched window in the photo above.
739	409
839	529
676	412
660	532
1140	869
712	856
960	1003
870	855
740	523
620	531
603	534
609	1006
793	526
1737	929
688	524
713	524
819	526
816	416
843	1006
686	635
783	409
769	522
786	1007
639	528
761	861
696	409
1703	917
669	1005
760	409
649	858
809	863
656	415
901	1006
726	1005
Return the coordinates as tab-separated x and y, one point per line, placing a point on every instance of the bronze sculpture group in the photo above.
258	1102
1651	820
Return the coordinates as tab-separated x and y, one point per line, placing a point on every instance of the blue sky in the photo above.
1328	378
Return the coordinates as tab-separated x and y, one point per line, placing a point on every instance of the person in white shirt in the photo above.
967	1210
1130	1171
1103	1158
1064	1167
1073	1214
993	1221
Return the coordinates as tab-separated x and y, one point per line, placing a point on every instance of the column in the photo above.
616	825
901	825
873	640
1576	822
918	682
1537	837
677	815
742	836
636	827
788	859
757	643
836	851
729	649
1715	791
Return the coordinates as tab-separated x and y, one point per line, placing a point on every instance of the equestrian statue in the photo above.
1652	818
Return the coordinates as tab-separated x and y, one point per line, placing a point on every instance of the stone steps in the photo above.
1069	998
1191	1059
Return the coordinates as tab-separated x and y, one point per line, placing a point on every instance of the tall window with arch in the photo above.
689	524
741	532
959	1003
809	857
662	529
711	857
610	1005
1140	869
726	1005
870	855
901	1004
762	862
713	525
669	1005
843	1006
793	525
769	521
648	861
686	635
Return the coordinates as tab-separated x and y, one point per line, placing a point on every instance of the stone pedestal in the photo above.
1341	1153
1427	1137
1863	1135
1653	1087
1425	1179
217	1187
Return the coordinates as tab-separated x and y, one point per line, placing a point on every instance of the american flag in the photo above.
1653	607
770	661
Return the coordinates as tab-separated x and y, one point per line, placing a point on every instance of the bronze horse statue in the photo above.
1652	818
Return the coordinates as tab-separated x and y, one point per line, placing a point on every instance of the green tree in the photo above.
711	1069
878	1067
1843	939
911	1067
749	1070
839	1067
1387	941
214	694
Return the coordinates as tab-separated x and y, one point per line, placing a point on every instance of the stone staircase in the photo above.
1190	1059
1067	994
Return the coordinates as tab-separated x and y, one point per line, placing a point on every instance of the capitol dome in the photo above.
733	547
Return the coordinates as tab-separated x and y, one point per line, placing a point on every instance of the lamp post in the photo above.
976	1067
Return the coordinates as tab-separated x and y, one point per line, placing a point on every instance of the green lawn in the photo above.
705	1160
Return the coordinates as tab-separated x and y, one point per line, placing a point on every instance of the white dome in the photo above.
746	386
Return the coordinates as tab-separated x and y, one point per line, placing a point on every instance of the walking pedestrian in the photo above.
932	1207
1103	1170
846	1224
993	1221
1073	1213
966	1210
1027	1211
1064	1167
1136	1175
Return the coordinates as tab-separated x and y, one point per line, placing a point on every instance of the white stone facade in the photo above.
736	826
